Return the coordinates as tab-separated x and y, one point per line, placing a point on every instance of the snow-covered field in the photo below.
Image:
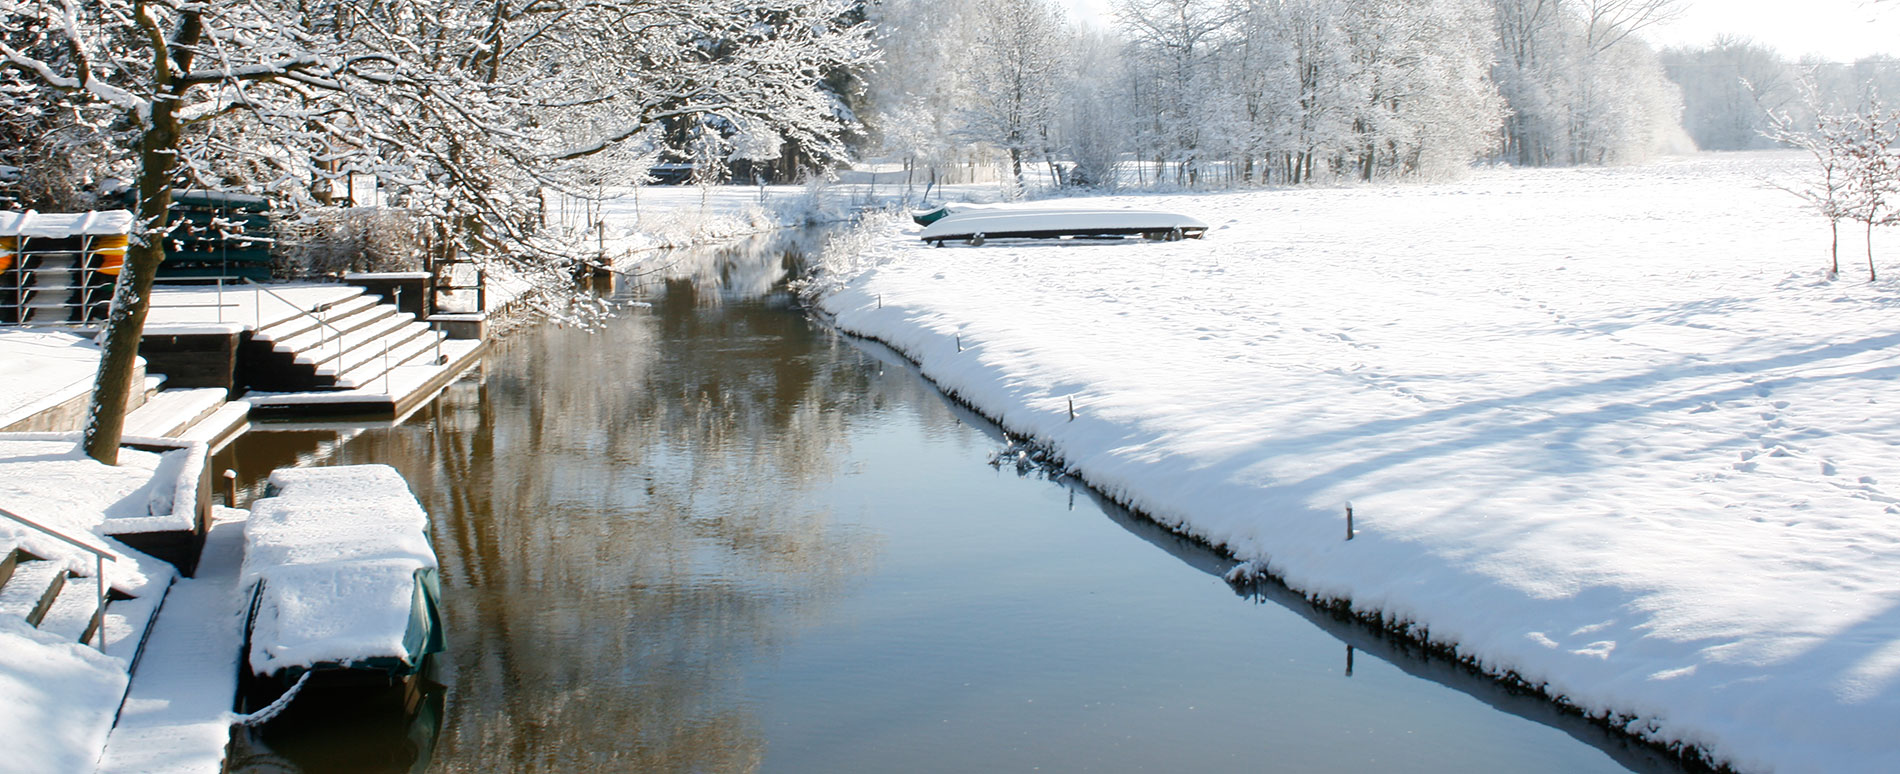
1611	430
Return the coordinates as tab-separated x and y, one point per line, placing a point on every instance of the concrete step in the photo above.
73	616
221	427
31	590
128	620
417	350
171	412
307	324
367	359
374	326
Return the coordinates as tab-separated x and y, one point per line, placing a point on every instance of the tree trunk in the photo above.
125	325
1834	248
1871	276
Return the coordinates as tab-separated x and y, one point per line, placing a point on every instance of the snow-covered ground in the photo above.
45	477
1611	430
41	369
57	696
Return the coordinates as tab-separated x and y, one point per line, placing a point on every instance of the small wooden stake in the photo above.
1348	660
880	300
1348	521
959	342
230	488
1071	408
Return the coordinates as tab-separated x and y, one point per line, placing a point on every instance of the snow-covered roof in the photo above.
65	224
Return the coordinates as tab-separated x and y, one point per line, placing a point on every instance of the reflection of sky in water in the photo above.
715	538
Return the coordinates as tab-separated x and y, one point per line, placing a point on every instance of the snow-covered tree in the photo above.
1372	89
1424	99
1175	43
1857	152
1018	70
1729	88
918	86
154	68
462	108
1582	86
1826	136
1873	172
1223	91
1308	89
1094	123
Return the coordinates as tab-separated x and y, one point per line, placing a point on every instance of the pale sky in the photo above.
1839	30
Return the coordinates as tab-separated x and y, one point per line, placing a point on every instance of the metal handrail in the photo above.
300	310
219	305
100	554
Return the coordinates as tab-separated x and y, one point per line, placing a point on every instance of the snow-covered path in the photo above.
1609	429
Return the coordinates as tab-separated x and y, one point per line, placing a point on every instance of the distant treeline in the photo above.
1731	86
1271	91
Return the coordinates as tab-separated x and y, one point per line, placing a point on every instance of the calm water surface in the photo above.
718	537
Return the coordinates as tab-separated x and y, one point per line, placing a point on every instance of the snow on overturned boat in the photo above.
978	226
343	578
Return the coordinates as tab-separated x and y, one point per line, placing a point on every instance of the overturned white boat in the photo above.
978	226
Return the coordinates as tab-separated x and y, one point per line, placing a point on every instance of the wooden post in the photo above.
1348	521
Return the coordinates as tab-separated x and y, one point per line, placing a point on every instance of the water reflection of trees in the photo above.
628	517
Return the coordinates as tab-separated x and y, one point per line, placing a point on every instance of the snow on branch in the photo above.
297	66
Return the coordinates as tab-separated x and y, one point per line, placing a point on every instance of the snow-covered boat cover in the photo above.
52	225
343	573
999	224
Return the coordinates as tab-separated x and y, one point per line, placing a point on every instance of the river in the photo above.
718	536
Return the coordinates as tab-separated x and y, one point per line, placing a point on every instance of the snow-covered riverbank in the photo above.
1611	430
628	223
